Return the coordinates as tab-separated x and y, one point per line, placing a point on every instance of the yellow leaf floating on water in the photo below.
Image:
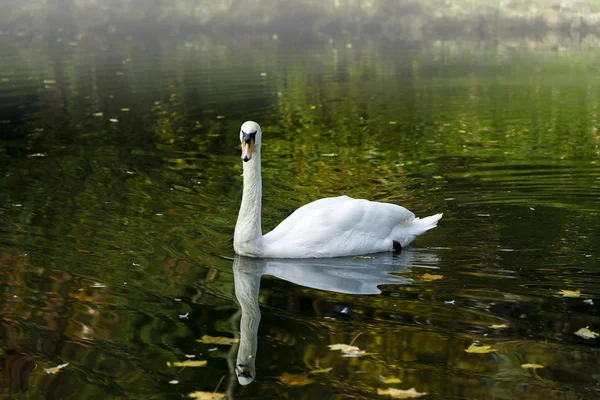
570	293
429	277
532	366
400	394
218	340
586	333
501	326
55	370
294	379
206	396
479	349
189	363
349	351
390	381
320	371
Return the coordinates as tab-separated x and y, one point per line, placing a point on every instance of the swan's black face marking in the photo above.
247	137
397	246
248	140
243	371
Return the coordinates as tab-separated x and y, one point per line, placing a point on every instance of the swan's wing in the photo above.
336	225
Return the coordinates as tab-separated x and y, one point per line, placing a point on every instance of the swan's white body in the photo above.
329	227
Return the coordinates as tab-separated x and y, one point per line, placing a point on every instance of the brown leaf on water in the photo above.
218	340
294	379
188	363
570	293
532	366
479	349
55	370
206	396
349	351
81	251
429	277
586	333
400	394
501	326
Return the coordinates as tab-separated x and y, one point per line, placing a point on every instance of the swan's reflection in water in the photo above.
354	275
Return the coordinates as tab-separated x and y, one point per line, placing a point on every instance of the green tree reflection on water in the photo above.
120	187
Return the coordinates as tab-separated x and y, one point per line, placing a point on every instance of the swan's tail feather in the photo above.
408	231
422	225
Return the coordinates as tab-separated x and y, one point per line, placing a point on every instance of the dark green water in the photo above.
120	185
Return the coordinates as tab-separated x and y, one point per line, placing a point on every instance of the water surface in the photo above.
119	190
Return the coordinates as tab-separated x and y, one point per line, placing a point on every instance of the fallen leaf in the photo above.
218	340
320	371
113	120
479	349
532	366
429	277
586	333
55	370
294	379
349	351
390	381
174	382
98	114
570	293
189	363
501	326
206	395
125	109
400	394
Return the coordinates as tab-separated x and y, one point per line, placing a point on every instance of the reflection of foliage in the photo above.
105	225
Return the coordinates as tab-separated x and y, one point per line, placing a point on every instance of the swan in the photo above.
328	227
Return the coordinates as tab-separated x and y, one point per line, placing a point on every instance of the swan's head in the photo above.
250	137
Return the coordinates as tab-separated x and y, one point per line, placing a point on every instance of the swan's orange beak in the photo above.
247	146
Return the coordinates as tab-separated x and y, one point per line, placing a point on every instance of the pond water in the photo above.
120	186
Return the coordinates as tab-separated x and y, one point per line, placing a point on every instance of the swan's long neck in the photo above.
247	239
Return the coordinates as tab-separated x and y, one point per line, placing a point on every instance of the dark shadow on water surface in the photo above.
347	275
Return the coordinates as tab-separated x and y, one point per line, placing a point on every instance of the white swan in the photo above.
329	227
